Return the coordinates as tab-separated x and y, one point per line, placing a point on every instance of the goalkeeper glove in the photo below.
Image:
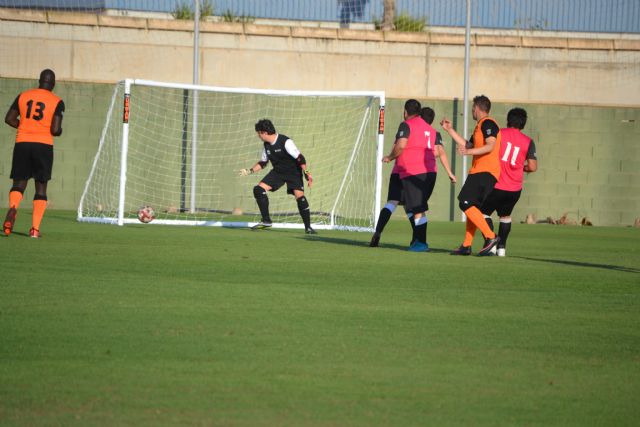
245	172
308	177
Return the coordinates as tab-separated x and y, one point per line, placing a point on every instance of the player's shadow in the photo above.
361	244
583	264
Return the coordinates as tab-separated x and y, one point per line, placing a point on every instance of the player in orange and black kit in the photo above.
484	146
37	114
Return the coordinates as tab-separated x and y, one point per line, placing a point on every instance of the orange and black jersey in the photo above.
488	162
37	107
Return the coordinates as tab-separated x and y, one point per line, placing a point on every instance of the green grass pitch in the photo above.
151	325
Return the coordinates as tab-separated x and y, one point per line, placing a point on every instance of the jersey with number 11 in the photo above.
515	149
37	108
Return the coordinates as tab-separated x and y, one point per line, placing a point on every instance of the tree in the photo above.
389	15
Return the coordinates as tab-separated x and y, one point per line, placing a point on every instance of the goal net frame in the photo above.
121	219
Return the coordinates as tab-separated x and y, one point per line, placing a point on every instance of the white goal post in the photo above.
151	154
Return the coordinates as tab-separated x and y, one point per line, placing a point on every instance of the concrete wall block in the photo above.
622	178
635	182
591	44
575	190
596	176
611	151
561	204
561	163
630	165
547	175
611	204
604	191
539	202
546	189
572	146
576	177
55	17
588	163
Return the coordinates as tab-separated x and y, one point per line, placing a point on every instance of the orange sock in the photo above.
39	207
468	236
477	218
15	197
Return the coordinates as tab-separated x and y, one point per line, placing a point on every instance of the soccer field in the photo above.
155	325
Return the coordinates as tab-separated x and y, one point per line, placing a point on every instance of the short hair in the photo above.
428	114
517	118
412	107
483	103
265	125
47	79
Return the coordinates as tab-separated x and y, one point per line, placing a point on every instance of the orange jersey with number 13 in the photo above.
37	107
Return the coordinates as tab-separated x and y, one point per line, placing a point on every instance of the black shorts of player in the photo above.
395	189
417	190
501	201
476	189
275	181
32	160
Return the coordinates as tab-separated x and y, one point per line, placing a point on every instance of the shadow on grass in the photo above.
583	264
365	244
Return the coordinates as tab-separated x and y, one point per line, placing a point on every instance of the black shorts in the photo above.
32	160
395	189
501	201
476	189
417	190
276	180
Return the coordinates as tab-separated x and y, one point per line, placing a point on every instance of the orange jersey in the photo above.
37	108
488	162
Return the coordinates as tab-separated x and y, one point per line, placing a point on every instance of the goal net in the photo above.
178	149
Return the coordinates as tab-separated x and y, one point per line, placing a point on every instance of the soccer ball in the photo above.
146	214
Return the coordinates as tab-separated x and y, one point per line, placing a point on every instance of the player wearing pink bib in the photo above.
517	156
416	163
418	157
396	193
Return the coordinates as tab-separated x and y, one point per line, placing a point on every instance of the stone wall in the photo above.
510	66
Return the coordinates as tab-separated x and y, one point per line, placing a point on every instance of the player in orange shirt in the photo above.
484	146
37	115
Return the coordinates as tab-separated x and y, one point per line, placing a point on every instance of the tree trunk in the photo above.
389	15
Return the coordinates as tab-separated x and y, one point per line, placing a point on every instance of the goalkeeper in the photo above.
288	167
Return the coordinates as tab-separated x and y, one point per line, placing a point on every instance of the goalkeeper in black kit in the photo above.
289	165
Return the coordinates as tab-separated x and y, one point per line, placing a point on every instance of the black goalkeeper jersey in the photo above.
280	158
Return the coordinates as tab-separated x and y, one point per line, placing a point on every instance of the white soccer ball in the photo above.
146	214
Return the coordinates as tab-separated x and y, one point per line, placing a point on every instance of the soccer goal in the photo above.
178	148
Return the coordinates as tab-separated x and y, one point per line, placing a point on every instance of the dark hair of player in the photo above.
428	114
412	107
265	125
483	103
47	79
517	118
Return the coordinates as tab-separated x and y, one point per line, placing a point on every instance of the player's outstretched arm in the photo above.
448	127
396	151
253	169
444	160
